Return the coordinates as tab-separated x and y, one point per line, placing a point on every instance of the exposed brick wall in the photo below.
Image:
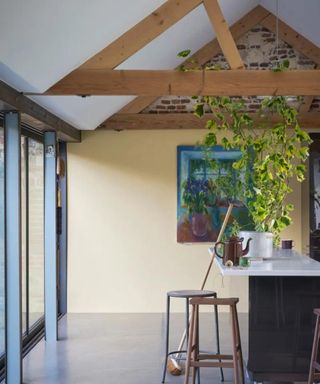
258	51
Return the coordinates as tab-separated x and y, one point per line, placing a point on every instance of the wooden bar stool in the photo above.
187	295
314	364
196	359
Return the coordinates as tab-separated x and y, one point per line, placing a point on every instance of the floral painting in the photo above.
207	183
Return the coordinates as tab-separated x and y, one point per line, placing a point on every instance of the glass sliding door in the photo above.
32	240
32	225
24	232
2	285
36	230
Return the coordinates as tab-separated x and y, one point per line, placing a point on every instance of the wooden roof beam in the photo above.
44	120
171	82
151	121
224	36
207	52
306	102
139	35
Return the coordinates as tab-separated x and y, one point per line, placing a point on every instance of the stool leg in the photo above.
187	321
196	370
167	340
189	347
314	352
194	373
197	351
240	358
218	336
235	352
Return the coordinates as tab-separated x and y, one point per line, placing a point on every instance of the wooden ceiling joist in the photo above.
137	37
166	82
98	77
147	121
38	116
207	52
306	104
138	104
224	36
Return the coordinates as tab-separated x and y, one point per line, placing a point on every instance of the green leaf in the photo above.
220	116
184	53
210	139
211	124
286	63
303	153
301	135
300	172
285	220
289	207
281	67
199	110
225	100
225	143
238	164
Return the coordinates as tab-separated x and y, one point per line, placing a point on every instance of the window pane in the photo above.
36	231
23	234
2	317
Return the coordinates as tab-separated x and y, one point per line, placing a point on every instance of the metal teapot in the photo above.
232	249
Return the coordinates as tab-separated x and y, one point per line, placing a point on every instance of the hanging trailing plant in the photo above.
273	154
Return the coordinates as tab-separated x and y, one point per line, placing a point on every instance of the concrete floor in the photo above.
120	349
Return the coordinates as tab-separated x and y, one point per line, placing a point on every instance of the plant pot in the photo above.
199	224
261	244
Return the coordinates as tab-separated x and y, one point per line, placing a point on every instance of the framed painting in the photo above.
201	207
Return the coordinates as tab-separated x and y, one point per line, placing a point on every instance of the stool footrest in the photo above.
316	365
214	356
177	352
211	364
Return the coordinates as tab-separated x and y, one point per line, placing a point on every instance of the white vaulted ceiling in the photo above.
43	40
302	16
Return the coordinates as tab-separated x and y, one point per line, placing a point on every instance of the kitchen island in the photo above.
283	291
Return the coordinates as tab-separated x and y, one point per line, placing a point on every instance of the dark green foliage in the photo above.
272	155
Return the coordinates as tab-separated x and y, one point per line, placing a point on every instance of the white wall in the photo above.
123	254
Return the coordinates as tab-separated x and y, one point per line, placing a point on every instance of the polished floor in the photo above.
119	349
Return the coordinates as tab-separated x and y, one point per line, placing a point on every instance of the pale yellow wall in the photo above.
123	254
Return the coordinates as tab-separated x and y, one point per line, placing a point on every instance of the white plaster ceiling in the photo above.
301	15
43	40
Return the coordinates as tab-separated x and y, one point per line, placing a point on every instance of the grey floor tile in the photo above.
119	349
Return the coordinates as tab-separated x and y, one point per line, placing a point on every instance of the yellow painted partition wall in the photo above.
122	249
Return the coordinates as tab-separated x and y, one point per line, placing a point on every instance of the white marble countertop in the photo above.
282	263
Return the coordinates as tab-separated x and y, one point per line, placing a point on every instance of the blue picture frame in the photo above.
194	174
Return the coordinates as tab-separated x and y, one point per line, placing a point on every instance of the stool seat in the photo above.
188	293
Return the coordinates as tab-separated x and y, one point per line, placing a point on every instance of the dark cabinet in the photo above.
314	172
